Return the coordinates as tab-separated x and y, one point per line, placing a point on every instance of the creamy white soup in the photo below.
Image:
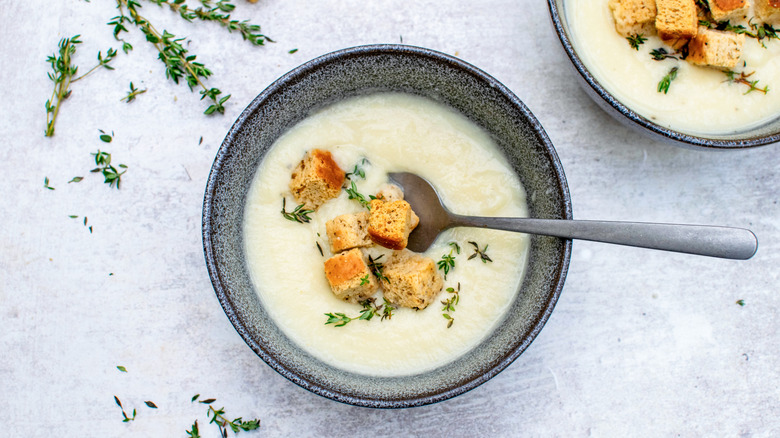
699	101
394	132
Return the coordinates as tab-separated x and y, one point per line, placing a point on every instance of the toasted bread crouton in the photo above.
714	48
349	276
767	10
391	192
348	231
412	280
390	223
677	21
633	17
723	10
316	179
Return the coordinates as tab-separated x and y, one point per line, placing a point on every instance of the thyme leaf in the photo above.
111	175
450	303
359	170
663	86
636	40
482	253
297	215
46	183
660	54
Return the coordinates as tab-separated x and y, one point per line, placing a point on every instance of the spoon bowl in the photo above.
722	242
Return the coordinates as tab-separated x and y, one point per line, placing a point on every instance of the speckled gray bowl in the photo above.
358	71
758	136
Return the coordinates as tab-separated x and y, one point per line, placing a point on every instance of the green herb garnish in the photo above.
635	41
447	261
359	170
660	54
63	75
132	93
218	417
742	78
663	86
111	175
124	414
481	253
450	303
370	309
354	194
297	215
376	268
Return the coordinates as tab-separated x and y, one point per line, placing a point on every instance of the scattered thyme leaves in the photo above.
46	183
663	86
111	175
636	40
660	54
291	51
120	367
742	78
297	215
741	302
126	418
218	417
353	193
482	253
376	268
193	432
369	310
132	93
63	75
76	179
105	137
150	404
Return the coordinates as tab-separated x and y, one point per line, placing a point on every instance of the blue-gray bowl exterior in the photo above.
358	71
758	136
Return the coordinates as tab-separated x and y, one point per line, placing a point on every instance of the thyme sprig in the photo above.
447	261
482	253
636	40
63	75
376	268
353	193
217	416
359	170
663	85
46	183
111	175
760	31
742	78
132	93
179	63
369	310
299	214
218	13
660	54
450	303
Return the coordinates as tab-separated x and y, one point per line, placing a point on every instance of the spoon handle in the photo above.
723	242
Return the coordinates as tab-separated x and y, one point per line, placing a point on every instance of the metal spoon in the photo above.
723	242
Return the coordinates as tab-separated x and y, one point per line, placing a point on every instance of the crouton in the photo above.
390	223
412	280
676	21
723	10
391	192
349	276
767	10
316	179
714	48
348	231
633	17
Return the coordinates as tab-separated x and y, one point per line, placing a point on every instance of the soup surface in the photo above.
699	101
394	132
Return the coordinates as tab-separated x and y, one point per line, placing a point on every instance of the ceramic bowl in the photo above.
759	136
345	74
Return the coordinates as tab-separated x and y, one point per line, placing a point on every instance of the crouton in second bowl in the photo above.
358	72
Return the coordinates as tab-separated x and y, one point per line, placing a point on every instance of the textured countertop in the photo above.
641	343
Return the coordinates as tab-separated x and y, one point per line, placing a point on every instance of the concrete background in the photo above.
642	343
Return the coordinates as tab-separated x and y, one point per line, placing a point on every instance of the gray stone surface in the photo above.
642	343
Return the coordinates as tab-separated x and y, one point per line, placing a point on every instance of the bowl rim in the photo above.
294	76
688	140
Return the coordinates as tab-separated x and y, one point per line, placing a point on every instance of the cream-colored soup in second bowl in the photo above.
393	132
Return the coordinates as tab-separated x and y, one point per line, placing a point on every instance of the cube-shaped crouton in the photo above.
348	231
714	48
390	223
412	280
723	10
391	192
316	179
349	276
676	21
767	10
633	17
